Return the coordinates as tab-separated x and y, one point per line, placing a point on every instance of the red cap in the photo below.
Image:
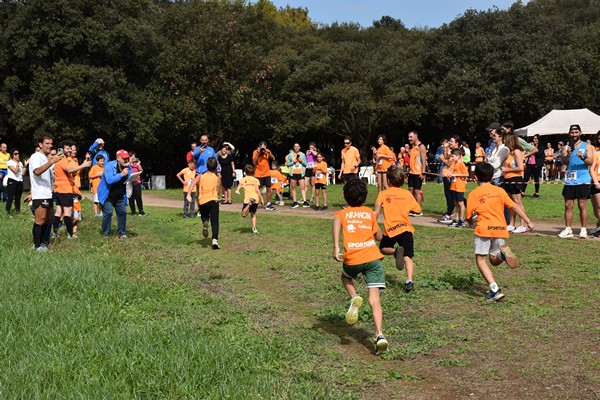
122	153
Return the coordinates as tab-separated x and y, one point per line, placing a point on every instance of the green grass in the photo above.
161	315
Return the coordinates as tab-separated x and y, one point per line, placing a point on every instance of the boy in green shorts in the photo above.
359	224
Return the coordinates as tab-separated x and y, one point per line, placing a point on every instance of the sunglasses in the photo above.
346	142
16	152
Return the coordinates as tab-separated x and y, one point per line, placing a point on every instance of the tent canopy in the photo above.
557	122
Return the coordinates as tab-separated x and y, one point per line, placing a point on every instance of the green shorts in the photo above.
372	273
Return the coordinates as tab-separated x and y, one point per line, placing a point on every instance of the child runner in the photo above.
95	175
208	198
359	225
458	186
320	180
186	177
397	203
276	180
251	187
282	184
488	202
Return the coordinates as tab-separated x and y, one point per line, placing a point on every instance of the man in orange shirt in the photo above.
416	170
63	187
350	161
488	202
261	158
397	203
359	225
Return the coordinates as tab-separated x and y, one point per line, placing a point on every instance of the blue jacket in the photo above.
202	158
95	152
110	177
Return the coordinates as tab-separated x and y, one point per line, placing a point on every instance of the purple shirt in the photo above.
311	160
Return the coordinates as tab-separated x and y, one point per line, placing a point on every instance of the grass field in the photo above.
161	315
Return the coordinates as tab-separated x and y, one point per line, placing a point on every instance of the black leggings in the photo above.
449	199
536	172
136	198
210	211
14	189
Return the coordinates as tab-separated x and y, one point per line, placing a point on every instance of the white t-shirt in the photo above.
41	185
12	175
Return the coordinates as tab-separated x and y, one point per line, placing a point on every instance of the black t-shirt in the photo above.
117	190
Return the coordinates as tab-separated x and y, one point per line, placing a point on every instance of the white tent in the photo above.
557	122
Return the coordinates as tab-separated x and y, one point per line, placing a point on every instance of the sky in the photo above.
413	13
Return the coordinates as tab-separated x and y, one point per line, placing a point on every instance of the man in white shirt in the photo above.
40	174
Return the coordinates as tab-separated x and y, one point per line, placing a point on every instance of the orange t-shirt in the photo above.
359	224
63	181
596	160
250	184
275	179
416	163
383	164
188	178
282	181
459	184
209	188
488	202
397	203
511	162
321	172
479	154
263	165
351	158
76	175
96	169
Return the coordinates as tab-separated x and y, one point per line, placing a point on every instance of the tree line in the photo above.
153	75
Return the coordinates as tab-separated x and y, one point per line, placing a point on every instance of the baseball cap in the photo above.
122	153
508	124
561	143
574	126
493	125
100	140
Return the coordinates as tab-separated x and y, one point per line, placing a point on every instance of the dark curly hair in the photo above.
355	192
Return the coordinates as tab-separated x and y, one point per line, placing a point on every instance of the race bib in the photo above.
319	175
274	180
570	175
380	161
297	169
190	182
310	165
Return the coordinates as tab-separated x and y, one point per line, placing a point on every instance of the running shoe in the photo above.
536	195
453	223
42	249
566	233
399	256
205	229
270	207
255	231
324	208
507	255
459	224
414	214
446	219
494	296
409	287
352	313
520	229
215	244
295	204
583	233
510	228
381	344
306	204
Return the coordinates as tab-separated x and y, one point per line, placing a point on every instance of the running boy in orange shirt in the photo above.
359	225
458	175
488	202
208	200
94	176
397	203
321	172
251	187
186	177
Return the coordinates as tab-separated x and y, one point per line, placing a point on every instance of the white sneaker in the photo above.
510	228
520	229
583	233
255	231
215	244
566	233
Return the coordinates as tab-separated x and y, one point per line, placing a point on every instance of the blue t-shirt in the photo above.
577	172
202	158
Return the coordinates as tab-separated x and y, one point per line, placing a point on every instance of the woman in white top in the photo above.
14	187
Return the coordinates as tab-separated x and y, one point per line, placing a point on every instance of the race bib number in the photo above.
190	182
310	165
570	175
319	175
274	180
297	169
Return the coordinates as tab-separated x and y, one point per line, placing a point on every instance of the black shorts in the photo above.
405	239
415	181
572	192
593	189
44	203
296	177
309	172
253	207
549	163
264	181
513	185
64	199
347	177
457	197
320	186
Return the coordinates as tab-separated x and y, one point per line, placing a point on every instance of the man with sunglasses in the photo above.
350	161
578	156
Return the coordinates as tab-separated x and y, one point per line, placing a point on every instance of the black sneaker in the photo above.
459	224
323	208
409	287
399	256
494	296
270	207
536	195
295	204
445	219
306	204
453	224
205	229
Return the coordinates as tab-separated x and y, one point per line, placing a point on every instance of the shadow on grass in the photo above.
348	335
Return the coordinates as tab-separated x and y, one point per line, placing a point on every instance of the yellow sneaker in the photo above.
352	314
381	344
